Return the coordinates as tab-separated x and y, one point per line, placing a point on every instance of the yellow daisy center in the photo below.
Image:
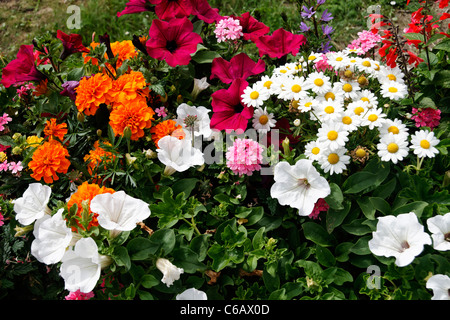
372	118
263	119
393	89
393	130
267	84
377	67
347	87
311	58
360	153
347	120
295	104
308	104
333	158
348	73
315	150
365	99
254	95
339	59
329	109
425	144
332	135
296	88
318	82
330	95
359	110
283	71
366	63
391	77
392	147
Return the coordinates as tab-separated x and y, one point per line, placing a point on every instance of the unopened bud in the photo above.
80	117
127	133
297	122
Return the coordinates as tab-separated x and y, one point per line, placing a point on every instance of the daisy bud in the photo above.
297	122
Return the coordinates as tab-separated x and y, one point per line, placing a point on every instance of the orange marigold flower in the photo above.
97	156
92	92
41	88
48	160
123	49
53	130
128	86
165	128
137	116
86	192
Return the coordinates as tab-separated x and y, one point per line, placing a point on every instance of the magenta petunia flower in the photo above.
280	43
203	11
173	41
252	28
229	113
136	6
240	66
244	156
22	68
168	9
72	43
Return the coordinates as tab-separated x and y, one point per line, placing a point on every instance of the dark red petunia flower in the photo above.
173	41
168	9
240	66
229	113
252	28
203	11
22	68
71	44
280	43
136	6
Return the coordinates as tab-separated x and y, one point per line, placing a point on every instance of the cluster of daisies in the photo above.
337	90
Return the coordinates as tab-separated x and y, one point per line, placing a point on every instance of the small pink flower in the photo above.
4	120
161	112
244	156
2	218
4	166
15	167
78	295
366	41
320	206
427	117
322	64
228	29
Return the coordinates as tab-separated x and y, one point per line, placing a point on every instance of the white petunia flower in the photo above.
262	120
33	203
373	118
118	211
192	294
178	155
170	272
194	117
399	236
440	229
440	284
392	148
423	143
332	135
255	96
52	237
199	86
81	266
394	90
334	161
299	186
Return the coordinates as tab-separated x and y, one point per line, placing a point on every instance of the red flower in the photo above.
172	41
203	11
252	28
22	68
240	66
168	9
280	43
229	112
135	6
71	44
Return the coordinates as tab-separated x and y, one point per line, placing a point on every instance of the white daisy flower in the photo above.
350	88
350	120
358	107
394	90
423	143
318	82
387	74
313	150
285	70
392	148
337	60
334	161
266	82
278	84
255	96
332	135
366	65
313	56
306	104
439	226
352	63
395	127
294	89
356	51
335	94
368	96
329	110
262	120
373	118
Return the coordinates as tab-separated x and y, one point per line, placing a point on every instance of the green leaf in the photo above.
184	185
188	260
381	205
357	227
325	257
205	56
164	241
140	248
148	281
219	256
279	294
335	198
371	177
443	45
334	217
121	257
366	207
270	276
258	239
317	234
417	207
200	245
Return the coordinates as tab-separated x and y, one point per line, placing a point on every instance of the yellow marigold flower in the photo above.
137	116
48	160
92	92
33	141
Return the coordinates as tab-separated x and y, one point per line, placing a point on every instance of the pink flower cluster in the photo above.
4	120
244	156
24	90
78	295
322	64
427	117
366	41
12	166
228	29
320	205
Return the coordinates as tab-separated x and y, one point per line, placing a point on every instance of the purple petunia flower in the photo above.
326	16
307	13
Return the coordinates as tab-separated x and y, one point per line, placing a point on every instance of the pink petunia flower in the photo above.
228	29
78	295
4	120
169	9
172	41
136	6
244	156
203	11
280	43
240	66
229	113
427	117
72	43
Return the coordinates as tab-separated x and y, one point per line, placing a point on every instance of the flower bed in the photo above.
216	158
